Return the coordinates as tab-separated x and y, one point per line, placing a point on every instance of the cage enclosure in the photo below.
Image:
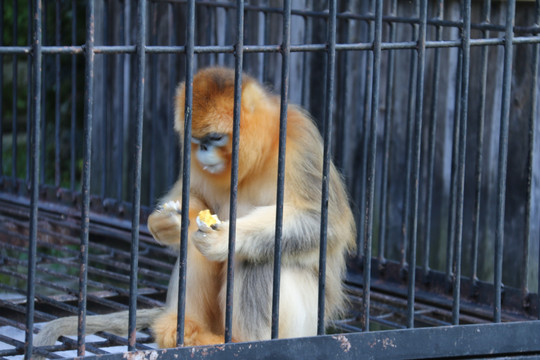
429	109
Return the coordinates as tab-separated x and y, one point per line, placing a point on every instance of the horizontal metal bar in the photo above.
473	340
348	15
158	49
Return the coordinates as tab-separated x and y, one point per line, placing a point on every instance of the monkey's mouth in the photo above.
209	162
214	168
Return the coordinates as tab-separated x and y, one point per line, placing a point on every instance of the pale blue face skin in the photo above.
207	153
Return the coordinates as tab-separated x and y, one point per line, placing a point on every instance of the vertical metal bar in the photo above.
503	156
372	157
1	89
285	52
172	140
465	69
416	160
29	67
153	101
137	161
57	98
532	137
238	66
73	95
453	181
365	133
105	102
126	93
43	157
34	181
186	163
304	96
86	171
432	139
530	165
405	226
327	131
388	116
486	10
15	65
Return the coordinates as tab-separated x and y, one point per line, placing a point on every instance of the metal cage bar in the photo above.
137	160
417	138
530	165
458	288
87	158
238	68
328	121
370	178
432	140
486	11
503	158
465	70
285	56
186	163
34	197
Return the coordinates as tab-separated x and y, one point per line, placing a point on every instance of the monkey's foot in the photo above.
165	330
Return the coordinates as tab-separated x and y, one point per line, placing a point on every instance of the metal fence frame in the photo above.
504	339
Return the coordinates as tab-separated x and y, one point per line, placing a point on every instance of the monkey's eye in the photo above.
216	139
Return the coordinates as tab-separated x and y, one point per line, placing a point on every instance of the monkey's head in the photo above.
212	123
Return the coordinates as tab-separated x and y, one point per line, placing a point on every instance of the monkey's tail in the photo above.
116	323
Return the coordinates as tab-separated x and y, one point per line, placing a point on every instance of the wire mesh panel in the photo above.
429	110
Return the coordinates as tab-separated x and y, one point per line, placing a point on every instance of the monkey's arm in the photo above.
255	235
165	222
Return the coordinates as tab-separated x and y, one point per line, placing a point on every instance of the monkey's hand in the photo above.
164	223
213	242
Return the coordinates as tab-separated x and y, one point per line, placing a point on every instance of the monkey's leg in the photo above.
195	333
253	302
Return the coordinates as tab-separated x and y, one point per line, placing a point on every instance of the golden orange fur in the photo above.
212	113
255	227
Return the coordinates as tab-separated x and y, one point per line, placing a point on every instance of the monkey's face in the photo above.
209	151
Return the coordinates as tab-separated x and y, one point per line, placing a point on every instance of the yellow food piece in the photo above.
206	217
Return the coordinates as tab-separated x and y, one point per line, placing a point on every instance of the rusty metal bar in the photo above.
86	173
137	160
34	181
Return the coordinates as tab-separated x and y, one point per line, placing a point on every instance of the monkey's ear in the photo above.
179	104
253	95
